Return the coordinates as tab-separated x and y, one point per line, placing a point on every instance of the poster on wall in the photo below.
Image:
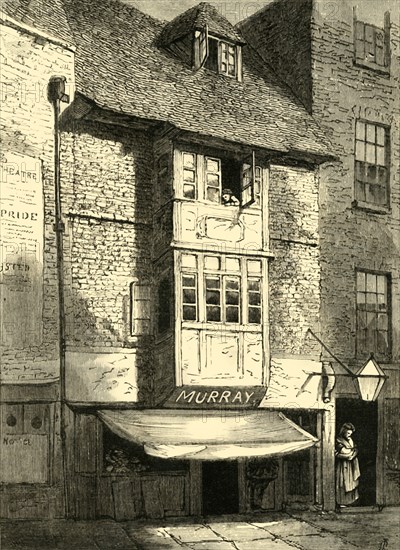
21	250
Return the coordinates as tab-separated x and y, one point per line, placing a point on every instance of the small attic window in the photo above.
217	55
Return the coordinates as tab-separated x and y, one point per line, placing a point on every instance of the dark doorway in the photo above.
220	487
364	416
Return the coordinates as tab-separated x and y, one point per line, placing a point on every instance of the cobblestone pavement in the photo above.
276	531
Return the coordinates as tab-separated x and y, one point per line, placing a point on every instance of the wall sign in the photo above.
24	458
205	397
21	251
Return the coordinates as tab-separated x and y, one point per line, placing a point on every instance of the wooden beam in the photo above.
196	485
328	460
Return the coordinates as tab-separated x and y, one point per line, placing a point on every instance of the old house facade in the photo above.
192	268
346	72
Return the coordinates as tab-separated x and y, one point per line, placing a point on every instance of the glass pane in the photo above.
232	264
232	314
371	282
371	173
188	175
371	301
360	170
212	165
371	321
189	296
253	284
213	313
360	130
213	180
361	340
254	298
232	284
382	175
255	315
371	133
380	156
189	281
382	321
360	280
232	298
370	153
360	191
379	38
380	139
189	313
189	260
254	266
213	282
382	302
360	150
188	160
213	194
213	297
189	191
212	262
232	70
361	299
381	284
362	320
382	342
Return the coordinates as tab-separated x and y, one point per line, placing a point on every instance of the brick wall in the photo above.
295	270
352	238
27	64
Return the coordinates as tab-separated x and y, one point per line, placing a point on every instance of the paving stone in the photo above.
211	545
319	542
192	533
288	527
152	538
239	531
265	544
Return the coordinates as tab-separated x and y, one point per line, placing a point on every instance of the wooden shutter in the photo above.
248	177
200	48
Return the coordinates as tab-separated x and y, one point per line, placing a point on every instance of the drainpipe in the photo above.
56	94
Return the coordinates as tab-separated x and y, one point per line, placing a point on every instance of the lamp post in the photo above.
369	379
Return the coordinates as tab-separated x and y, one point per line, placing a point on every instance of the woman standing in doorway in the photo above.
347	468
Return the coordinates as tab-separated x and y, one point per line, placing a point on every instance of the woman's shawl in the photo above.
348	470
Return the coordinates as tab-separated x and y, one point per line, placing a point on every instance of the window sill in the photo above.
368	207
384	71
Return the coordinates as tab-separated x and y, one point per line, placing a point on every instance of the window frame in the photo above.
360	43
231	48
242	275
363	353
140	325
363	166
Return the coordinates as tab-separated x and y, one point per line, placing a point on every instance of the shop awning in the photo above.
208	435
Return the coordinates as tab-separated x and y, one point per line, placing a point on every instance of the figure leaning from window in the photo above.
347	468
228	198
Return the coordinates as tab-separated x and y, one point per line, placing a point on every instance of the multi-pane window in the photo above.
227	59
231	291
140	300
189	296
372	314
213	179
205	177
371	163
189	176
370	45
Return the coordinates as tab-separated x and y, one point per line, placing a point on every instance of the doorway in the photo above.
364	416
220	487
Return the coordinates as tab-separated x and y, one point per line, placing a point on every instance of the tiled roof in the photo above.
197	18
45	15
120	66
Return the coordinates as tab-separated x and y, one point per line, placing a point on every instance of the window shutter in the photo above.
248	176
140	309
359	41
200	48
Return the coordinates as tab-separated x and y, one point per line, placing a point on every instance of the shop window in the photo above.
189	296
372	163
373	315
189	176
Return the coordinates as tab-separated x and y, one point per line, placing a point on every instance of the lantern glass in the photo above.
370	379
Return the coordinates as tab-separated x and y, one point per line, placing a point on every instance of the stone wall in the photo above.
295	270
352	238
108	204
27	63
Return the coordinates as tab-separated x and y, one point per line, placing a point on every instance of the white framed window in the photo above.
223	57
140	301
220	180
231	289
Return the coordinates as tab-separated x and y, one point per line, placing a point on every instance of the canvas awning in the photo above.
208	435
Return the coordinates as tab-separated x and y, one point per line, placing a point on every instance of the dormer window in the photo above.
202	37
222	57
